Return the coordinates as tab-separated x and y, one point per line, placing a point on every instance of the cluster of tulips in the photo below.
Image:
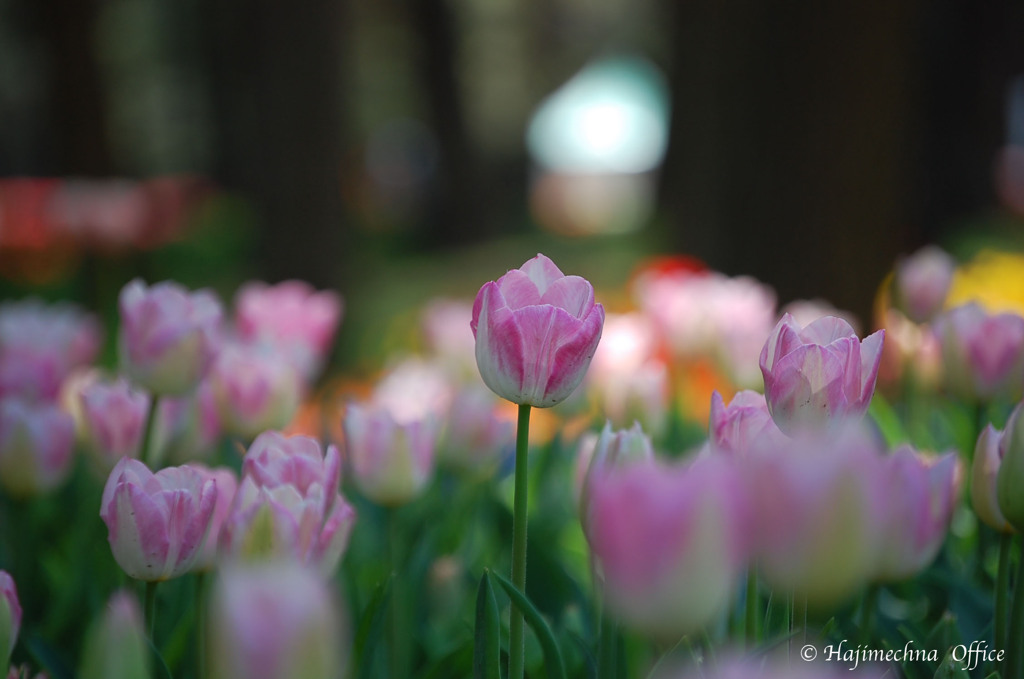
805	496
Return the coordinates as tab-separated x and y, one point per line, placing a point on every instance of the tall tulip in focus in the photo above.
820	374
536	332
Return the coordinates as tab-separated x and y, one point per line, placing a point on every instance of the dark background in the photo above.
811	143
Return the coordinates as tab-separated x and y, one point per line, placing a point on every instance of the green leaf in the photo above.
951	669
552	656
487	636
887	420
371	626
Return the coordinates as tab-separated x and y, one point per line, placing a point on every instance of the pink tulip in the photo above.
10	615
288	504
254	389
921	283
988	457
817	375
1011	469
414	389
40	344
983	353
670	540
536	331
292	317
744	424
923	491
276	620
169	336
477	436
157	523
609	450
36	447
391	461
448	337
114	416
227	486
819	508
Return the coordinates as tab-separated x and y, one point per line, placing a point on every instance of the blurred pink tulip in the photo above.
819	509
923	491
448	337
988	457
477	436
114	416
254	389
188	427
820	374
601	453
276	620
983	353
391	461
670	541
536	331
293	318
157	523
288	504
921	282
40	344
169	336
10	616
227	486
36	447
744	423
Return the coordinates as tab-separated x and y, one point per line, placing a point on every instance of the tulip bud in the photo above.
116	646
921	283
598	454
988	457
36	447
818	375
227	486
670	541
10	617
922	494
536	331
391	461
114	416
254	389
169	336
983	353
1011	471
277	620
291	318
744	423
156	523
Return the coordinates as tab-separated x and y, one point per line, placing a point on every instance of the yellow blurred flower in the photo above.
994	279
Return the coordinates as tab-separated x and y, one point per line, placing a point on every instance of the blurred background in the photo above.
399	149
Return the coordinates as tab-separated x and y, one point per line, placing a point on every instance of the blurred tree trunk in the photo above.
276	84
455	215
791	139
77	110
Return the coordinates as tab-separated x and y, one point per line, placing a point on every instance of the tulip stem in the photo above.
867	614
147	453
517	638
752	606
1002	589
150	609
399	635
200	609
1015	639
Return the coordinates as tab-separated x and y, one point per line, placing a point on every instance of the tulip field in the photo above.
678	479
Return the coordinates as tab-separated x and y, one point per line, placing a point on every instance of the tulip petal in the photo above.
139	537
518	290
542	271
572	293
870	358
500	346
572	357
826	330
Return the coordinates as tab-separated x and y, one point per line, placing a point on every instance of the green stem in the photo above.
399	635
1015	639
752	609
200	608
147	453
607	661
150	609
1002	589
867	614
517	638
